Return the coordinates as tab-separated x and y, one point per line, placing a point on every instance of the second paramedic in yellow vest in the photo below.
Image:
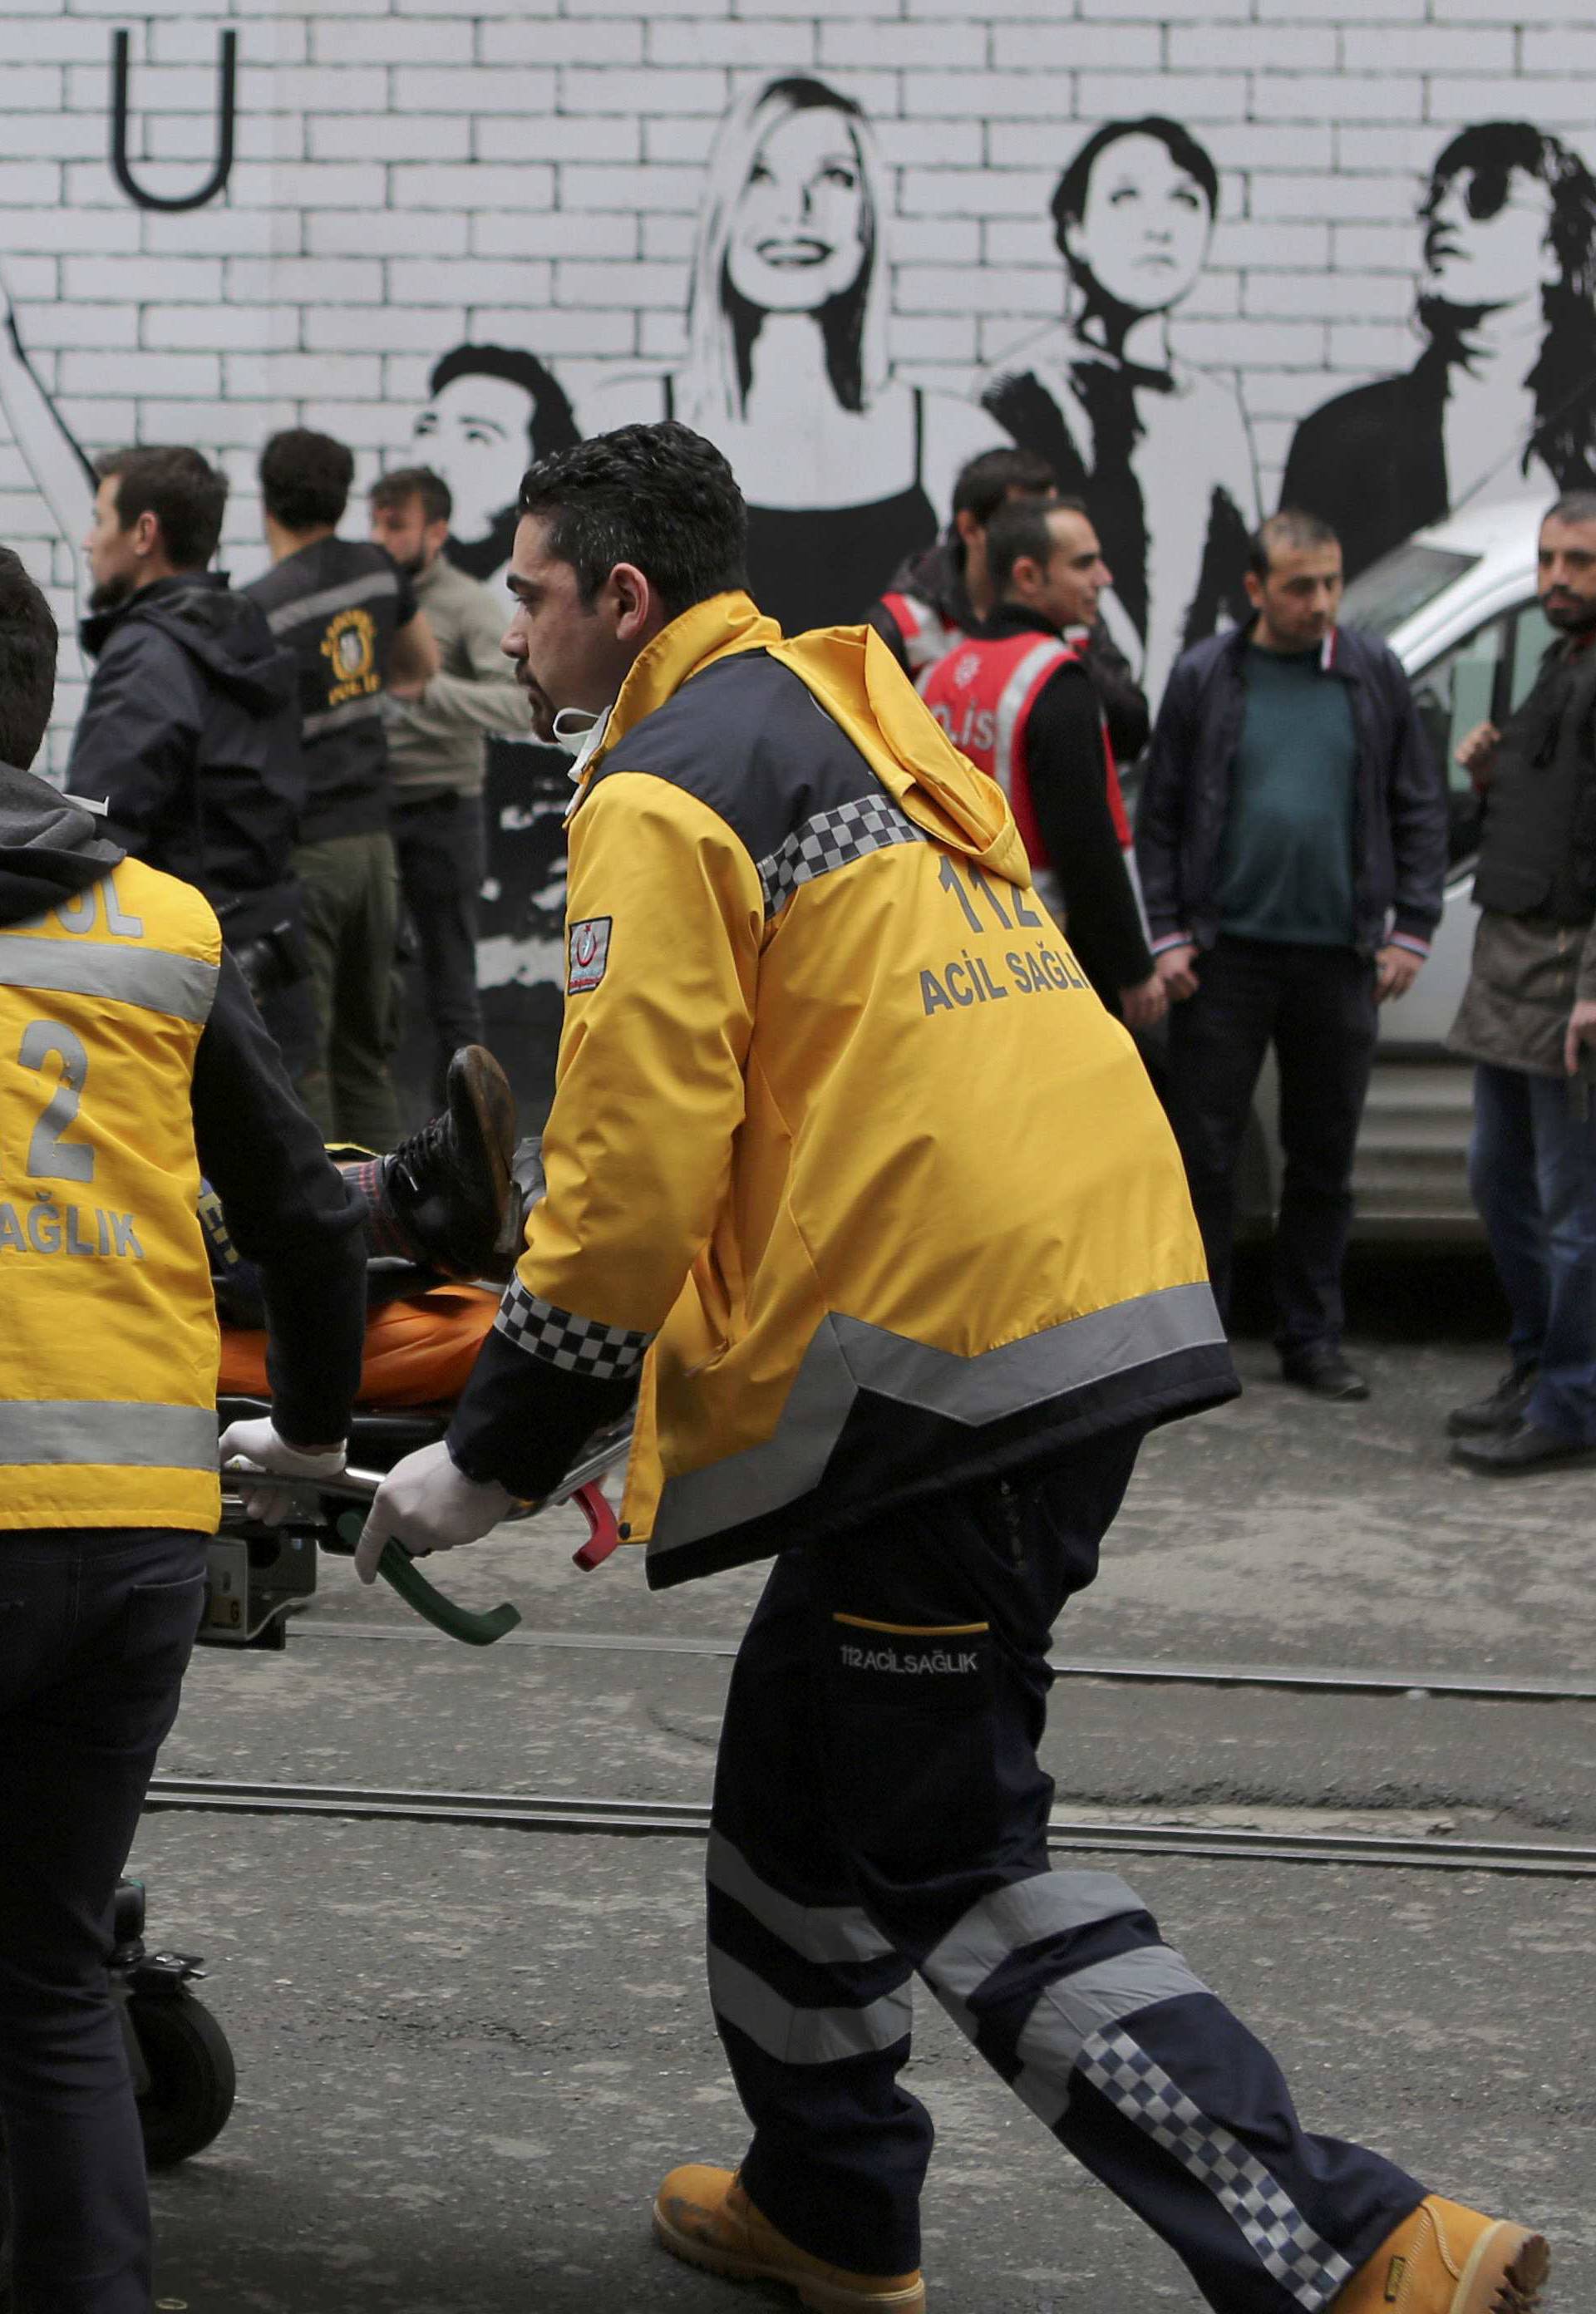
1037	726
856	1186
130	1054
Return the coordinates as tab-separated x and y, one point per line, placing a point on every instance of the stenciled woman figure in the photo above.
846	469
493	412
1158	450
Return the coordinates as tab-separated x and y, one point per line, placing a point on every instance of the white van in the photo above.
1457	605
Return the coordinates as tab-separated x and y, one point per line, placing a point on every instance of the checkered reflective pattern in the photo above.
833	838
576	1344
1271	2222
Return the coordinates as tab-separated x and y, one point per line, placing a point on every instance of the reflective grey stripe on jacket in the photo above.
848	1354
183	986
76	1432
370	586
333	719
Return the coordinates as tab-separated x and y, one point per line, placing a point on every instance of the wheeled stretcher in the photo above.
419	1348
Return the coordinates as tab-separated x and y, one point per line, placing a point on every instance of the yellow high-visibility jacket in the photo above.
109	1370
844	1155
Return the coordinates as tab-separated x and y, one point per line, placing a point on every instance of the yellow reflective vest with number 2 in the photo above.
107	1375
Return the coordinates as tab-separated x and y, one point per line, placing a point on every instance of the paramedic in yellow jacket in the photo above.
129	1052
856	1185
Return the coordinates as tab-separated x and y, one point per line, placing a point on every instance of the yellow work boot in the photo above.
1445	2259
703	2215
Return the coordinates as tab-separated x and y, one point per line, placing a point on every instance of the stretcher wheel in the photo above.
192	2079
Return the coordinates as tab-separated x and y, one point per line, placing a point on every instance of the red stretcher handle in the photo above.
604	1535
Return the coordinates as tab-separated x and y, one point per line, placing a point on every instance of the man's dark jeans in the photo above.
1316	1006
441	864
1532	1169
96	1626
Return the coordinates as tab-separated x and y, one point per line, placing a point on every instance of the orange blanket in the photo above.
417	1351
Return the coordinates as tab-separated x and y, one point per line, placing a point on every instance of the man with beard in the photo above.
1528	1021
437	734
868	1204
1506	387
190	734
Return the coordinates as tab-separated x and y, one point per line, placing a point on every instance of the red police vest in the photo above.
982	693
927	636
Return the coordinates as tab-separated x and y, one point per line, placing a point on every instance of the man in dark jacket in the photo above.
1291	843
1529	1022
350	616
190	734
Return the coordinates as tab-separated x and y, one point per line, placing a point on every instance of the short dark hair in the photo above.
187	496
407	483
1069	199
305	479
1292	526
550	424
658	496
1573	505
981	486
28	642
1019	532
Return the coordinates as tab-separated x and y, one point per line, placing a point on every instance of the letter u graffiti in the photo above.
226	116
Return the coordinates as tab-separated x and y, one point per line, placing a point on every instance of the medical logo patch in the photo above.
589	954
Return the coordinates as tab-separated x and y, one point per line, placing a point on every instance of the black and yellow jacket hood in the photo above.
848	1167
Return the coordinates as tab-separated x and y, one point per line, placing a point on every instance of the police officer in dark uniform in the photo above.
130	1056
349	616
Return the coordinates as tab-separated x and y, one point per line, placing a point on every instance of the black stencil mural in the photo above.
491	411
1158	449
122	166
1503	398
433	185
847	470
60	468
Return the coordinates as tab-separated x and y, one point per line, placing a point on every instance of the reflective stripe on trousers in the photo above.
879	1812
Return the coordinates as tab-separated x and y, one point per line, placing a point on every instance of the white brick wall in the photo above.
411	173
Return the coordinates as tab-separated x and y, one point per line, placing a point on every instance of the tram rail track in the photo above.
1114	1670
682	1819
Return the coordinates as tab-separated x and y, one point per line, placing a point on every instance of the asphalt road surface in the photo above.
465	2056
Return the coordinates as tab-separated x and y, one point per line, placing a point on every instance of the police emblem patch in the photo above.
589	954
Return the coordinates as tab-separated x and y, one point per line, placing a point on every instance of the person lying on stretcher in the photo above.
443	1208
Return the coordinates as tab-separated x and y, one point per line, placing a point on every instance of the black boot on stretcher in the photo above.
443	1199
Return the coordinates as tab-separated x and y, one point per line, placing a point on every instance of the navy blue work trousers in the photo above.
880	1813
1533	1170
1316	1006
96	1626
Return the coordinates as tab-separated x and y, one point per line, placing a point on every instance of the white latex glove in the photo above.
427	1503
255	1446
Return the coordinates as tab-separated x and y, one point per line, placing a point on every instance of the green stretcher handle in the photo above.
398	1567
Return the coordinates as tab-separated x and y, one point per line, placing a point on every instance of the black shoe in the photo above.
1325	1372
449	1186
1504	1409
1525	1447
